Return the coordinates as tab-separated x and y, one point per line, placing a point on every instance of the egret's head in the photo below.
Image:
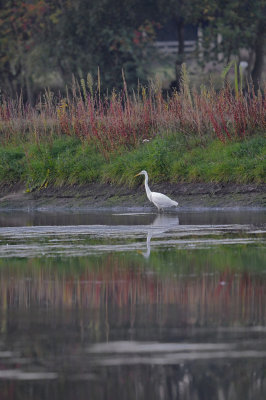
143	172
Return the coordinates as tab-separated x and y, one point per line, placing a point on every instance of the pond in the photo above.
127	305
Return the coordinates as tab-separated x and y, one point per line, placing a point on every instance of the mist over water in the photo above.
133	305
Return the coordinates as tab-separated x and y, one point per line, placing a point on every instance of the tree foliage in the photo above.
43	43
240	25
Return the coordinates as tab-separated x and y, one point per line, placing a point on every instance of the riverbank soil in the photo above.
105	195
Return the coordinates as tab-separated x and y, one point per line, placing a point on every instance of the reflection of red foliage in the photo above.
243	294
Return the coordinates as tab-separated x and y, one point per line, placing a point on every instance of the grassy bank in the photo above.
175	158
189	136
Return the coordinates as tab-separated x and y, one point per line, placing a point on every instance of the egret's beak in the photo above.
136	175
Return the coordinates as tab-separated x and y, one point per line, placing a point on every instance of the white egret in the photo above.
160	200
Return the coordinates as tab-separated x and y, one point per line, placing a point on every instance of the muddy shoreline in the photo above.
95	195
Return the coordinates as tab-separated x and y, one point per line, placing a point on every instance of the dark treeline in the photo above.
44	43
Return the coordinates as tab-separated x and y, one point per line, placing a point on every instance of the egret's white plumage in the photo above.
160	200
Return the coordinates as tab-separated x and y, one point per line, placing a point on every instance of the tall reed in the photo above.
123	120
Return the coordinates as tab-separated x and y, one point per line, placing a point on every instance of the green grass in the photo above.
174	158
170	159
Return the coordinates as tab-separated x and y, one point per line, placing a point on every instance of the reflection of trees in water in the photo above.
123	295
222	297
193	381
228	380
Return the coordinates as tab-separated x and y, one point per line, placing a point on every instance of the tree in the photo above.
228	27
45	38
22	25
109	34
183	12
45	42
241	25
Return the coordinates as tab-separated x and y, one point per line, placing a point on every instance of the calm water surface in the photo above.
133	305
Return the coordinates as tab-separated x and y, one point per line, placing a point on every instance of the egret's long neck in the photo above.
148	191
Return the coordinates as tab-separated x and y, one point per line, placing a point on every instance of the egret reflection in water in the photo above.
81	312
161	224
